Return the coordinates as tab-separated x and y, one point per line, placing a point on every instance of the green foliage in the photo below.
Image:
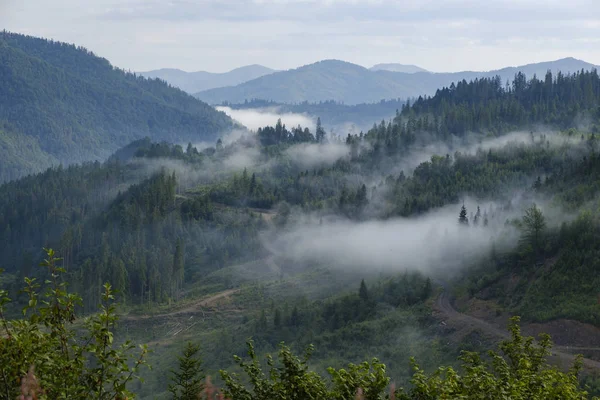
518	372
187	382
291	381
53	354
533	229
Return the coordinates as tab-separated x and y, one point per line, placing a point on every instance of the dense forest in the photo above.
485	192
62	104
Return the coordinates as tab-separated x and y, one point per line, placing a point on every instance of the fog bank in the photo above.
260	117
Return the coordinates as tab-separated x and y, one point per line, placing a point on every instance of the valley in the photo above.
384	239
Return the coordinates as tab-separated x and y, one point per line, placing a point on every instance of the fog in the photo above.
260	117
312	155
434	242
474	143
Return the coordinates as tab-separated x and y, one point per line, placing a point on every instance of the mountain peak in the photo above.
394	67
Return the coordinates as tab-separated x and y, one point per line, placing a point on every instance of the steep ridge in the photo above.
62	103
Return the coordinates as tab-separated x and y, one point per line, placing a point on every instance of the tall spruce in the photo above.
187	382
462	217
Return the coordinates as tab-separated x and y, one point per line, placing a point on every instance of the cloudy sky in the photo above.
218	35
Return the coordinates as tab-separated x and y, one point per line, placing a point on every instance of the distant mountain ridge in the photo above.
193	82
406	68
62	104
352	84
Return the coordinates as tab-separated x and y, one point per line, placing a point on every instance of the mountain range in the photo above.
353	84
193	82
62	104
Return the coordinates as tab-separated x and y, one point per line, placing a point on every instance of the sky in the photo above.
219	35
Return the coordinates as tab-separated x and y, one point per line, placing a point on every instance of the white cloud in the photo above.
219	35
260	117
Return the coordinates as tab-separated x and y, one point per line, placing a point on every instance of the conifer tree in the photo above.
462	218
187	382
320	132
363	293
477	217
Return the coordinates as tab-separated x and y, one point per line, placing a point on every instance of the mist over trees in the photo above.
307	237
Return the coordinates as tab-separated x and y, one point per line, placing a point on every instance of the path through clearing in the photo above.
191	308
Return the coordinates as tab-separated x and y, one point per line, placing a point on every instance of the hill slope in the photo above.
353	84
61	103
193	82
407	68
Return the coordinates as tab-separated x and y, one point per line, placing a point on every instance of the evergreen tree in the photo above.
533	227
363	292
477	217
178	269
320	132
187	382
462	217
295	317
277	318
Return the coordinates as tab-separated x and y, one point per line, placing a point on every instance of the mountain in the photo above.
406	68
353	84
62	104
193	82
324	80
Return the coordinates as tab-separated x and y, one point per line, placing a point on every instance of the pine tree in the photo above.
477	217
427	289
178	269
252	183
537	184
277	318
187	382
295	317
320	132
462	218
363	293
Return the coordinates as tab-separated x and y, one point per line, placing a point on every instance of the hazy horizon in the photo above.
218	36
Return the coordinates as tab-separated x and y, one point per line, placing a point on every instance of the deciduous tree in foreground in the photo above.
50	354
518	372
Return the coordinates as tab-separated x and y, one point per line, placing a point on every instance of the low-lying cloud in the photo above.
312	155
435	242
255	118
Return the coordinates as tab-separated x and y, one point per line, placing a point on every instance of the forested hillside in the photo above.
484	191
62	104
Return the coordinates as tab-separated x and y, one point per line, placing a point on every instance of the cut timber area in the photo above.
467	322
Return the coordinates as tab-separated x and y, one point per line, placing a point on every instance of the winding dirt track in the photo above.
444	305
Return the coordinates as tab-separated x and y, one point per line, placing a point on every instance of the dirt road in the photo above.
444	306
191	308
